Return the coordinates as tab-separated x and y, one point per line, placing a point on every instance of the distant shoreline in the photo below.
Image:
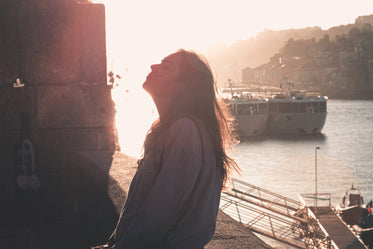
348	94
343	94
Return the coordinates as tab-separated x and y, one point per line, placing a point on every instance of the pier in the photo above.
286	220
335	233
338	231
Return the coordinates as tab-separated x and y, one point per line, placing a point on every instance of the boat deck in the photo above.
337	230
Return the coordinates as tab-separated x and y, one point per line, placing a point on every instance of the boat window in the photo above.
240	109
311	107
316	107
285	107
294	107
302	107
273	107
322	106
246	109
262	108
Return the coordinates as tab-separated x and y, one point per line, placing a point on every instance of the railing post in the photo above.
238	212
260	196
287	207
270	222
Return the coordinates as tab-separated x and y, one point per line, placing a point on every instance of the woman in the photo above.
173	199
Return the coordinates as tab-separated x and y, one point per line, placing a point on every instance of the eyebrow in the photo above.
165	61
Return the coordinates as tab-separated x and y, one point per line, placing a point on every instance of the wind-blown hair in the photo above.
199	99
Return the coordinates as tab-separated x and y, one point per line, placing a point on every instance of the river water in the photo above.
286	164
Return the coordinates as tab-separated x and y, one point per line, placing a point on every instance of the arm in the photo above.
181	163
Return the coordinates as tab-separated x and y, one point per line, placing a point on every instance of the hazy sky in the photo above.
142	32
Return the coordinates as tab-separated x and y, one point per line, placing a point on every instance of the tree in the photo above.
367	28
354	33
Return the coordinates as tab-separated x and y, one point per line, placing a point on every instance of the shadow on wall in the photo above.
76	206
95	196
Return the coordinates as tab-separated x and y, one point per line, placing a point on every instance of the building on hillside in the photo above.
309	75
331	77
272	73
352	70
327	58
260	74
248	75
370	73
324	69
364	19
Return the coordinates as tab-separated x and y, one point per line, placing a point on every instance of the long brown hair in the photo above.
200	100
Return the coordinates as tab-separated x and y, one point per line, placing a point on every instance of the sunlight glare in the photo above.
135	114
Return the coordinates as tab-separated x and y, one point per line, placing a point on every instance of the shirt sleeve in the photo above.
182	159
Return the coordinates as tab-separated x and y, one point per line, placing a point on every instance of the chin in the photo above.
145	85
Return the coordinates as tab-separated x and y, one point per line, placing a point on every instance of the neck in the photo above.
163	106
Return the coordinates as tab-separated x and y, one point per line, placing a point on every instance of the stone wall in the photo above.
58	49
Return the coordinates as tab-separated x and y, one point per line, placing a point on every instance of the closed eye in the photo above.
166	64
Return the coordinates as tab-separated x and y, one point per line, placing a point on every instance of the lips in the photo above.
150	75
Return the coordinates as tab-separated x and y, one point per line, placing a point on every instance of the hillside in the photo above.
229	61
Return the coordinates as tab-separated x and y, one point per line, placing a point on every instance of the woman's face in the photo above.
162	81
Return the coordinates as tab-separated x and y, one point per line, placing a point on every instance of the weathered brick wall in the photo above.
58	48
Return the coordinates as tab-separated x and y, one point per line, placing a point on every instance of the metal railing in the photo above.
265	212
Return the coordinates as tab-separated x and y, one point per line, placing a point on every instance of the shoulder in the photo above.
185	128
188	124
184	123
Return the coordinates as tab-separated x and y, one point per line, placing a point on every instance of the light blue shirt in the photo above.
174	196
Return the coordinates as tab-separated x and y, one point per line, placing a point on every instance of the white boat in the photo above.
352	197
250	112
283	111
297	112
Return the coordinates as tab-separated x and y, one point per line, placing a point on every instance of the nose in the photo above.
154	67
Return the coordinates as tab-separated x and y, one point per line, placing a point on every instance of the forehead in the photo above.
173	58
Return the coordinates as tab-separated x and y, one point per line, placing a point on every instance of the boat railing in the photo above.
270	93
